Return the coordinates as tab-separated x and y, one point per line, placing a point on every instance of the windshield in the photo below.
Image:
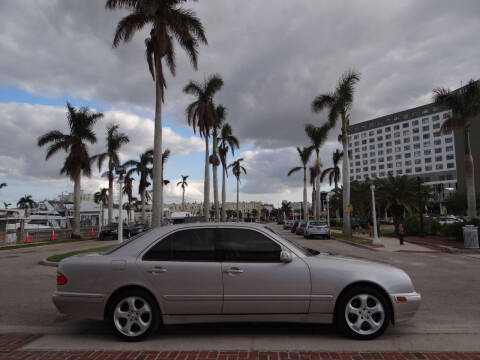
133	238
305	251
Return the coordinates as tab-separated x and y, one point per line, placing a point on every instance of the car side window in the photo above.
247	245
184	245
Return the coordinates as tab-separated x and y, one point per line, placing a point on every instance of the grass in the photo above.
21	246
59	257
354	239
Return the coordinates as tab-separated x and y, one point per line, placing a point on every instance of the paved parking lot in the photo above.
449	318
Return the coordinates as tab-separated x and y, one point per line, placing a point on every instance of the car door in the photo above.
185	272
255	281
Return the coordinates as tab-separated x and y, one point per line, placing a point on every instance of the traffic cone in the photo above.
92	233
52	237
27	239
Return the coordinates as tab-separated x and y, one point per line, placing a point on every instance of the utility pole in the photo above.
420	204
120	171
376	240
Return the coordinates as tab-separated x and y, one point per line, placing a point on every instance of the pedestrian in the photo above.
370	226
401	233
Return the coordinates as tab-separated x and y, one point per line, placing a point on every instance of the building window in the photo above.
364	142
380	145
437	142
439	166
373	168
388	136
387	129
396	127
399	172
446	115
406	132
381	173
428	168
357	156
372	153
436	126
357	163
436	134
379	138
416	146
372	147
449	148
389	158
408	171
426	136
438	150
417	153
408	155
358	177
398	148
427	152
365	176
388	143
372	161
398	142
397	134
418	161
424	121
364	155
380	152
406	124
351	178
428	160
418	169
426	144
365	162
364	135
365	168
435	117
389	151
381	159
450	157
371	140
390	165
379	131
408	163
414	122
398	156
416	138
448	140
371	133
398	164
406	140
356	137
450	165
415	130
438	158
406	148
425	128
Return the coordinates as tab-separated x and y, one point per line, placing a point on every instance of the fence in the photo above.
42	235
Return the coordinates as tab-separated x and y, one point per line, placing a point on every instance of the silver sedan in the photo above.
230	272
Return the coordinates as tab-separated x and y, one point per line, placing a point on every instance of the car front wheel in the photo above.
363	313
133	315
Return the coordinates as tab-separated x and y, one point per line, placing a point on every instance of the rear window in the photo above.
317	223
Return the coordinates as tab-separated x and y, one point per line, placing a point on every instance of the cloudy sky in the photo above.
274	57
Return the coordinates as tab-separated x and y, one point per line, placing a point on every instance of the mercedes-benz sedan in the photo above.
230	272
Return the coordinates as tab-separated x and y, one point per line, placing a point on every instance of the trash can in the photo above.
470	237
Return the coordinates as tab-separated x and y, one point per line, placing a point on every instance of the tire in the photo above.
127	304
363	313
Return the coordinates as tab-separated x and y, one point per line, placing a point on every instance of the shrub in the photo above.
412	225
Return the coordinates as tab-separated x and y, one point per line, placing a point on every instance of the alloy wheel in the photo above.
364	314
132	316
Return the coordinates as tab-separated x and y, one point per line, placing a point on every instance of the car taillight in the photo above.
61	279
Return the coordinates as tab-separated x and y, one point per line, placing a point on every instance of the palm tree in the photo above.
227	141
101	197
317	136
286	208
128	190
313	179
220	115
80	122
6	205
465	106
2	185
304	154
398	194
333	174
26	202
168	21
201	113
339	104
183	184
142	168
114	141
237	169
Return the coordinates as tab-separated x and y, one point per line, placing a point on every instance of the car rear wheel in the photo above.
363	313
133	315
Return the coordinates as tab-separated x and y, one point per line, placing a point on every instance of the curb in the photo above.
45	262
354	244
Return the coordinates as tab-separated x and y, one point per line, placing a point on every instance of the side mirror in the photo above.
286	256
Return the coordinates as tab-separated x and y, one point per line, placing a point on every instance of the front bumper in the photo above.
405	305
85	305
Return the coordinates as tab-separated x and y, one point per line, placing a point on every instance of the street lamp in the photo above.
376	240
120	172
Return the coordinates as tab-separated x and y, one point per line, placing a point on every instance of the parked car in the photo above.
287	224
317	228
301	228
280	221
294	226
110	231
449	219
230	272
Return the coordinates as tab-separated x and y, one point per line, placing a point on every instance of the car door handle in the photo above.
233	270
157	270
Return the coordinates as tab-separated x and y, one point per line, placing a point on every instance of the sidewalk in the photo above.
393	244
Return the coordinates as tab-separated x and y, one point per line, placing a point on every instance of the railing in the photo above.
44	235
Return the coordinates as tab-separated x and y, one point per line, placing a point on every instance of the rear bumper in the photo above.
318	233
405	305
85	305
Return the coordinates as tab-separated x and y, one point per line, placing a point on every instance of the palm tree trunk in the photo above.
183	198
305	210
469	177
317	194
110	199
224	193
76	206
142	196
337	210
347	228
314	202
215	193
206	182
238	214
157	202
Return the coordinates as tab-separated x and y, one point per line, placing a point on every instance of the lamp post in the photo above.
376	240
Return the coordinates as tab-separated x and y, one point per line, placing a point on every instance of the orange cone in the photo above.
92	233
52	237
27	238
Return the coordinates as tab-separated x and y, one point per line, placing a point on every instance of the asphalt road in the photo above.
449	317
